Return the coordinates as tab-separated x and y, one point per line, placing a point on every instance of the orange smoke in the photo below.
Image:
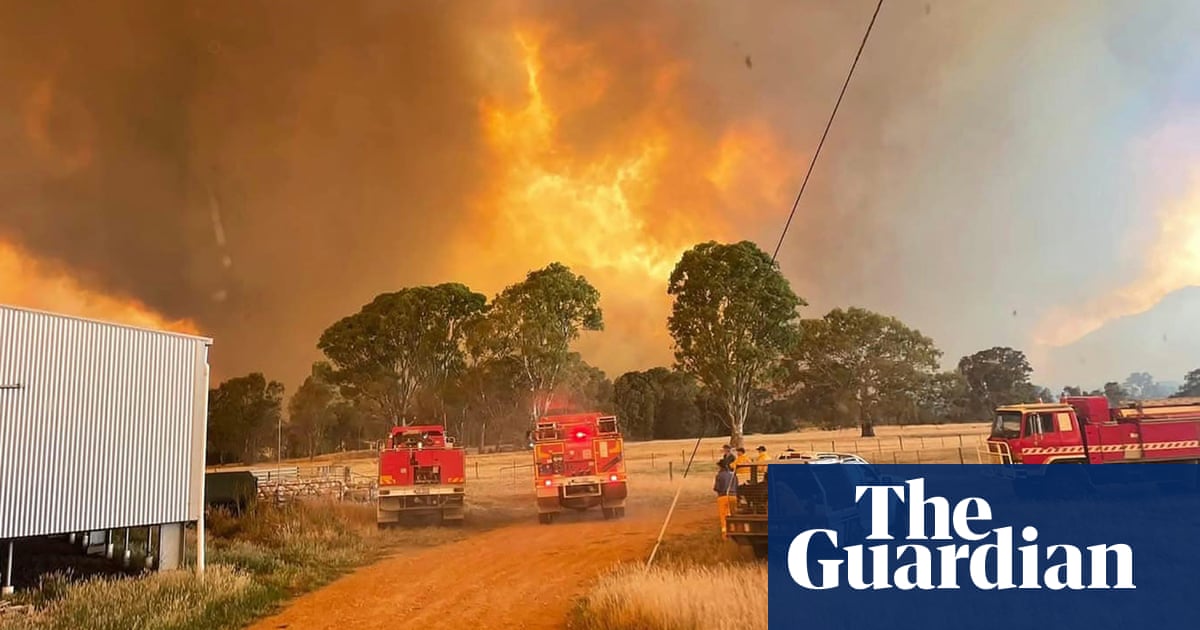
1172	263
58	129
29	283
619	198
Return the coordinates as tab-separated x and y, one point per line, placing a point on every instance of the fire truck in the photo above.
747	524
1088	430
578	464
421	474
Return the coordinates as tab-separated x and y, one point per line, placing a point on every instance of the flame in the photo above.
624	201
30	283
1172	263
589	210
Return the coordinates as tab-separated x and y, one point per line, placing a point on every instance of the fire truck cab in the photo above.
1088	430
421	473
578	464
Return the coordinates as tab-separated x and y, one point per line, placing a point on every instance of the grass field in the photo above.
275	553
697	581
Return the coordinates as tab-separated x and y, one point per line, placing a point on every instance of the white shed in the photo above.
102	428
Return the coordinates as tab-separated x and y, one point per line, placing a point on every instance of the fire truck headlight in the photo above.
612	477
549	482
579	435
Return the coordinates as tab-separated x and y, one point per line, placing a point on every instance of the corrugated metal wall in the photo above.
101	426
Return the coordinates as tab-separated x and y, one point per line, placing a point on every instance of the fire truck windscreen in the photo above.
1007	425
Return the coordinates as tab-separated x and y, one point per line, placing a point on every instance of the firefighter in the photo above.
742	472
726	488
727	455
762	454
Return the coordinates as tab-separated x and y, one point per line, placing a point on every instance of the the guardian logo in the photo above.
968	554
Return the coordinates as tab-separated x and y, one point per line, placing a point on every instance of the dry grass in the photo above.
729	596
161	601
698	581
256	562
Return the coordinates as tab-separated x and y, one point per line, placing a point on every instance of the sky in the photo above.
1019	173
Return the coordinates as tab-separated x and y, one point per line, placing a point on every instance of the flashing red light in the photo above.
579	435
612	477
549	482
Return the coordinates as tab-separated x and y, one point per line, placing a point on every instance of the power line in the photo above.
826	133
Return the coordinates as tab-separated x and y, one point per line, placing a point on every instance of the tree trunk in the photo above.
736	426
868	427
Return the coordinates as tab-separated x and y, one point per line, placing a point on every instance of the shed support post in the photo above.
200	544
7	588
126	555
108	544
149	561
170	546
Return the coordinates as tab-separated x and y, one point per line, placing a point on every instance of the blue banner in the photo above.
978	546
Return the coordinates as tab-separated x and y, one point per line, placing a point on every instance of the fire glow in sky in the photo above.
623	211
30	283
982	196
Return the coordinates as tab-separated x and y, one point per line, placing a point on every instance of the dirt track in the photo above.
519	576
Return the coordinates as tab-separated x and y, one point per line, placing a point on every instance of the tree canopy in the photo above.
864	363
997	376
734	316
535	321
244	414
400	344
1191	385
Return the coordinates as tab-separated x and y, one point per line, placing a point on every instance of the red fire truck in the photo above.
1088	430
578	464
421	474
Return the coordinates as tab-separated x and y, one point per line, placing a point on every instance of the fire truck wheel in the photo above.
546	518
760	549
609	513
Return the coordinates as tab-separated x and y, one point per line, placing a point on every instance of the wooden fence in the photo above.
281	485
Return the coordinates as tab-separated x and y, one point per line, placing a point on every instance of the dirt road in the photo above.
519	576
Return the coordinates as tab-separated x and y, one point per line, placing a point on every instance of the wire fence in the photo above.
958	448
358	482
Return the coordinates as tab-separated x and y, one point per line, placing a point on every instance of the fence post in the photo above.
651	461
960	444
894	454
682	456
918	456
476	470
832	445
901	442
671	470
514	469
960	456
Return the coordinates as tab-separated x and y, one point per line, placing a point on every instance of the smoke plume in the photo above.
262	173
